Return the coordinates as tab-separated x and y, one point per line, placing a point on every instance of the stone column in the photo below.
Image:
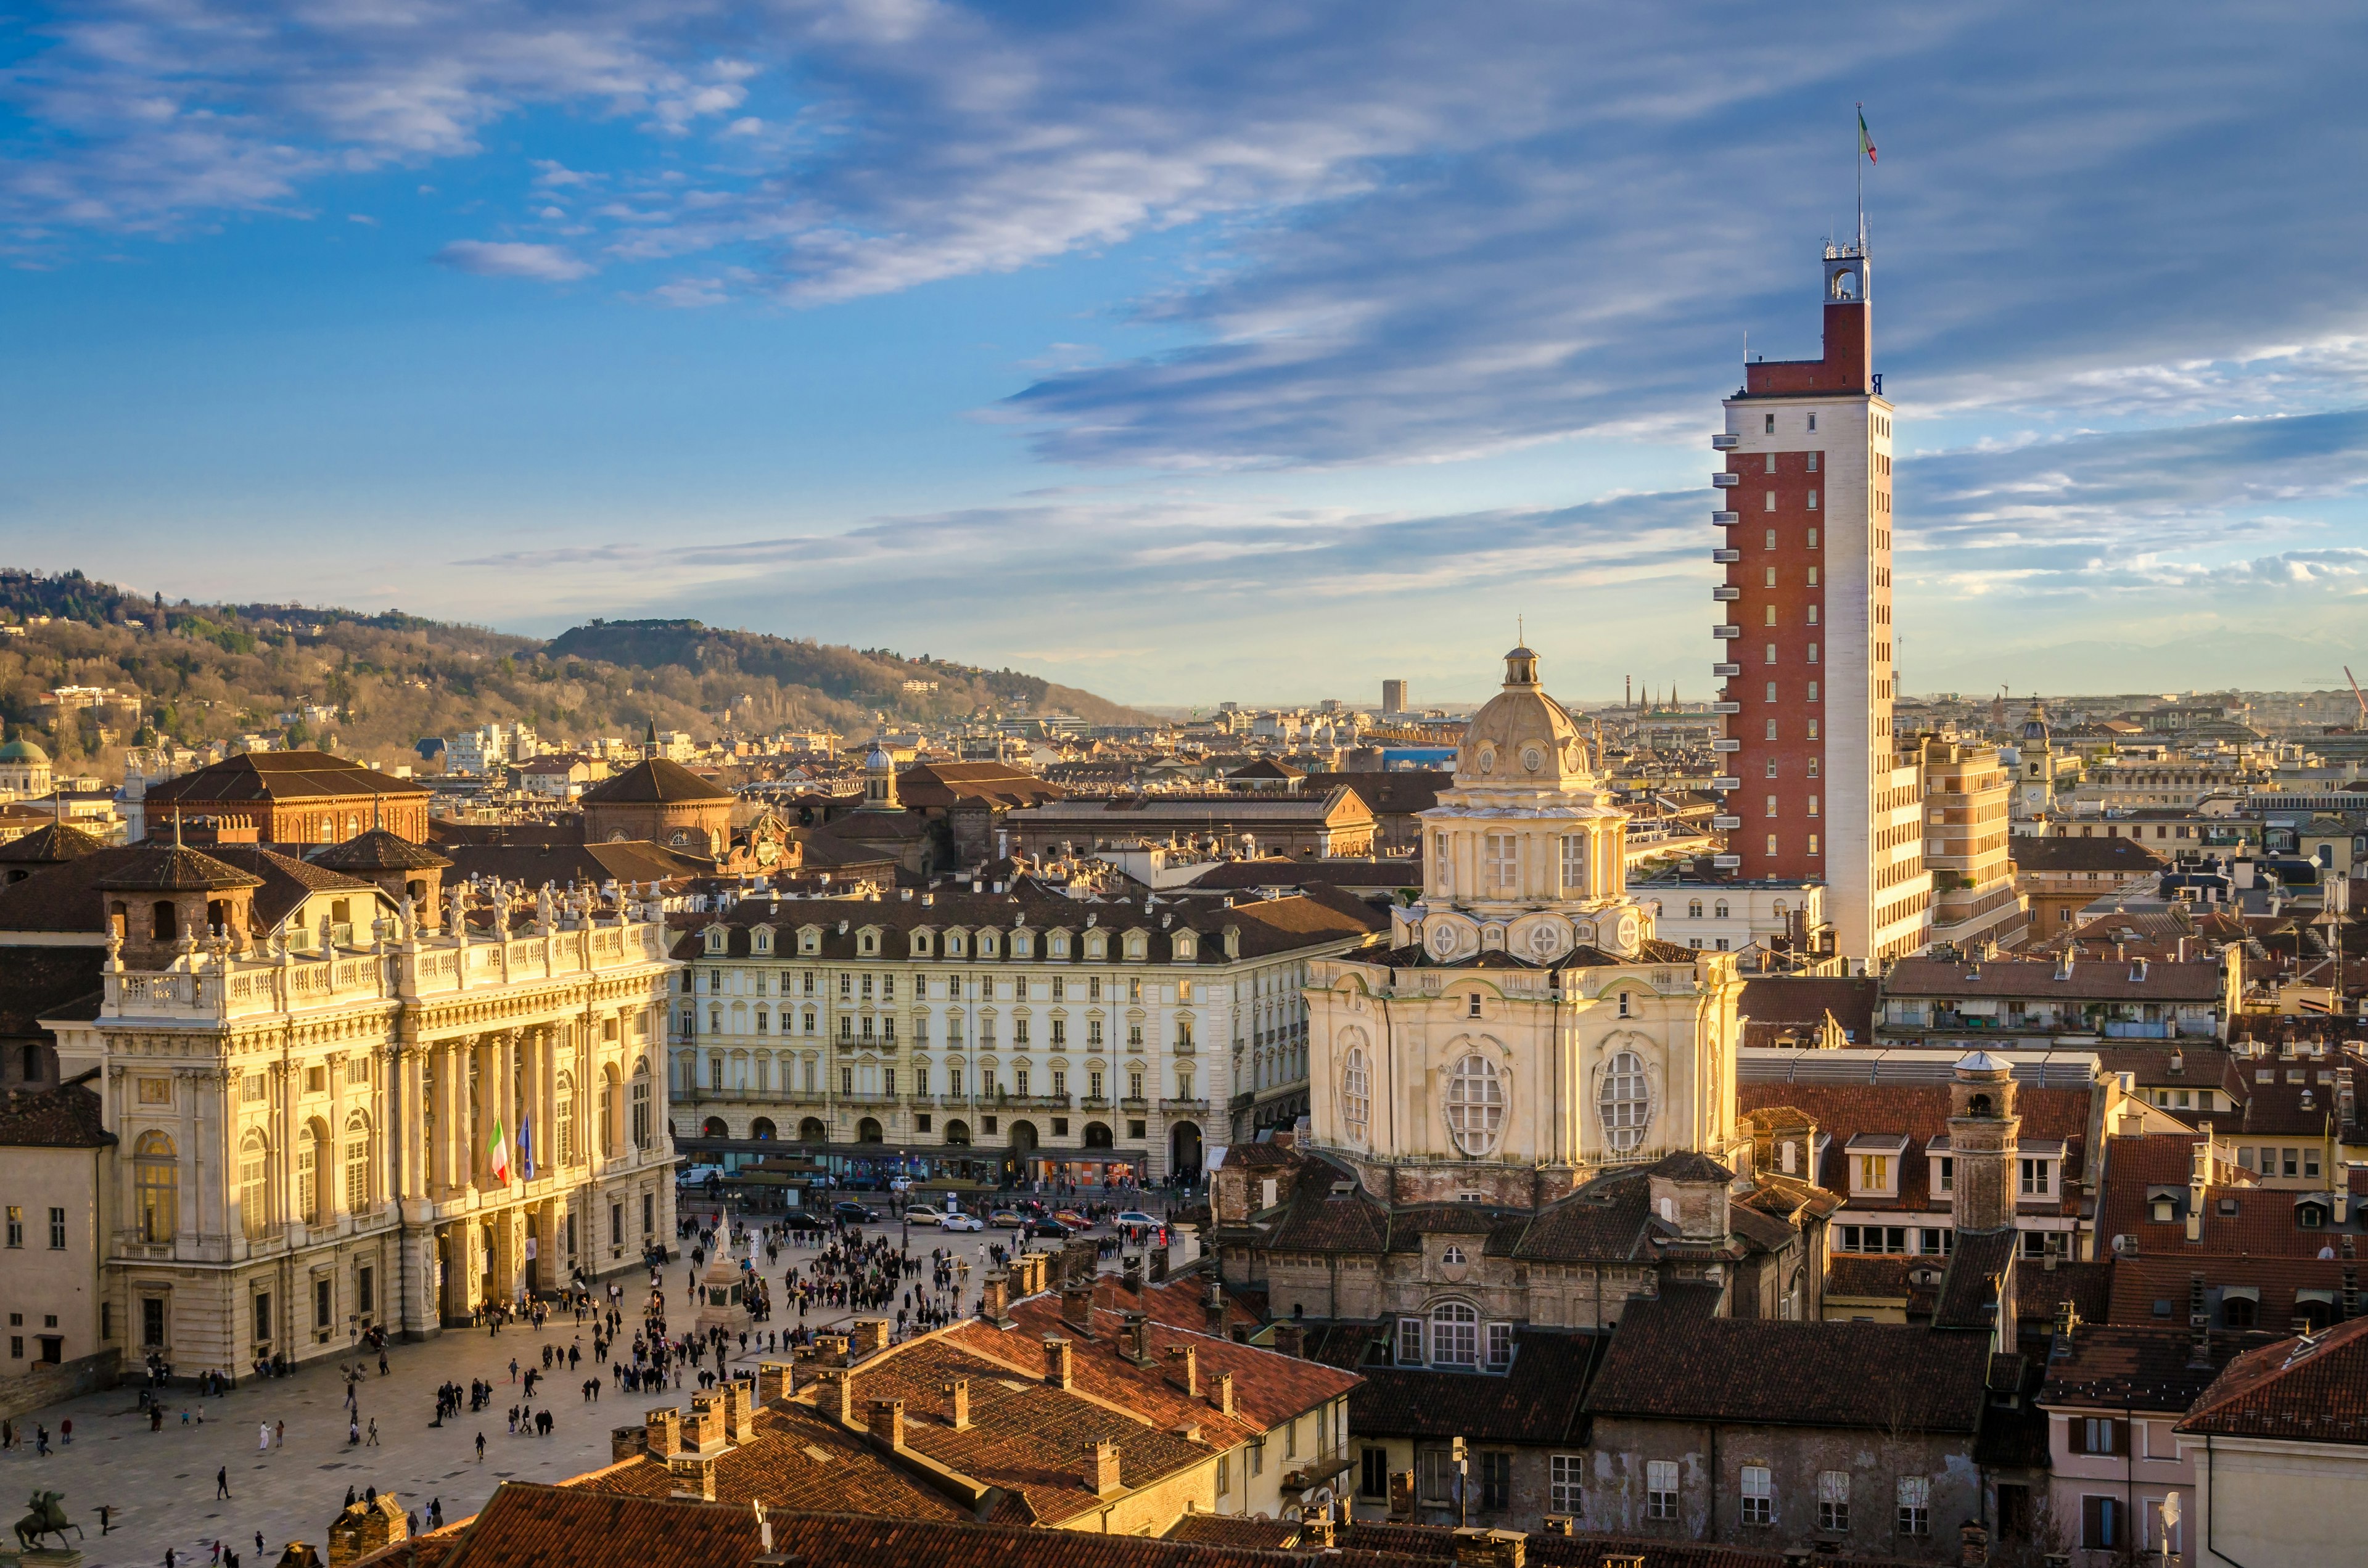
333	1156
489	1098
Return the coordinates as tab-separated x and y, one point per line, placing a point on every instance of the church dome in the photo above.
22	751
1521	737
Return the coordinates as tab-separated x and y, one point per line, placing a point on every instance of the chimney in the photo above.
1225	1393
1077	1309
870	1336
994	1300
1135	1339
841	1397
1059	1369
958	1391
1185	1360
1316	1530
740	1409
1131	1272
1290	1339
888	1422
1491	1549
1213	1303
831	1348
775	1380
1102	1465
664	1427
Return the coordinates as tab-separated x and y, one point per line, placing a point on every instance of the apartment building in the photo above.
1968	798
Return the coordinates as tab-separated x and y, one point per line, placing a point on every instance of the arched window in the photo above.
608	1138
761	1128
156	1183
1356	1092
1781	909
1454	1334
565	1094
161	925
2237	1311
308	1174
1721	908
713	1128
1624	1102
253	1191
1693	909
640	1102
1476	1105
358	1164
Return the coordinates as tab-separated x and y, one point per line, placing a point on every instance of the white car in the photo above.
962	1222
698	1176
918	1216
1137	1217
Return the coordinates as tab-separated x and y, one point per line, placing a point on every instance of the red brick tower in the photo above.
1814	788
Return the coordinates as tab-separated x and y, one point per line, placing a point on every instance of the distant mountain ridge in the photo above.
377	682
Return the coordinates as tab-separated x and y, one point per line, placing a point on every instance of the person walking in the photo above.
222	1482
373	1434
105	1518
481	1448
283	1443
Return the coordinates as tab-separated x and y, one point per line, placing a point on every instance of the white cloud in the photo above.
489	258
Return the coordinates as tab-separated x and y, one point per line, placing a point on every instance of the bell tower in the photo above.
1984	1132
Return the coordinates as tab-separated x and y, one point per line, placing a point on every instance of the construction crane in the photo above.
2356	695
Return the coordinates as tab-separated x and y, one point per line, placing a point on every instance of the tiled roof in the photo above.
655	781
2313	1391
36	981
1843	1111
2153	1370
1976	1279
1338	871
2031	852
49	843
582	865
2087	1286
285	882
67	1116
1535	1401
1269	1388
1583	1549
170	867
801	1459
2265	1223
527	1526
2197	979
1410	791
1234	1529
938	786
2153	1290
1870	1275
1266	927
1670	1362
1802	1002
379	850
278	776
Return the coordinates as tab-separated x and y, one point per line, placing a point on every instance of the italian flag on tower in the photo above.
497	1152
1865	137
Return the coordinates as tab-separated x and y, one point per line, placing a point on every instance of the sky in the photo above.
1190	351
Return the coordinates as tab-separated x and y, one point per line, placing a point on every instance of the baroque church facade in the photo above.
1523	1112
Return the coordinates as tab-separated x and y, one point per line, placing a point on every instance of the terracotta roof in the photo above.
1872	1275
49	843
67	1116
1406	793
2153	1290
2087	1286
2153	1370
801	1459
1671	1361
1234	1529
1584	1549
278	776
1977	1277
1843	1111
2312	1391
939	786
2265	1221
628	861
655	781
379	850
529	1526
1802	1002
1280	871
35	982
2031	852
170	867
284	882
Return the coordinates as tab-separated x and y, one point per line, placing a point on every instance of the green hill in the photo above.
207	672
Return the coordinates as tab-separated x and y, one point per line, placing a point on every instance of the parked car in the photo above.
851	1211
922	1216
1049	1230
1074	1219
799	1220
962	1222
1137	1217
698	1176
1005	1220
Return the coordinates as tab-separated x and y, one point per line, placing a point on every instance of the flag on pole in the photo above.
526	1146
1865	137
497	1152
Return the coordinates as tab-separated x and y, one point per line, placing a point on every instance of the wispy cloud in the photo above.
510	258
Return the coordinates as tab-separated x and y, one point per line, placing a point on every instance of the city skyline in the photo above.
1176	383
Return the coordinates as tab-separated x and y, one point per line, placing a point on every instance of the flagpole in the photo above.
1857	161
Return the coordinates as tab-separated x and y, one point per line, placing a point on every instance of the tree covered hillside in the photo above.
209	672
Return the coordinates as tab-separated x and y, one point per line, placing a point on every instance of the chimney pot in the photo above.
664	1427
1078	1308
1101	1466
1186	1360
888	1422
958	1391
1225	1393
1060	1369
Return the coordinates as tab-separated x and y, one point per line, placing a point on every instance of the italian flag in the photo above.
497	1152
1865	137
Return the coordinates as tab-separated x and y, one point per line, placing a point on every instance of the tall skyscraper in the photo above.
1394	697
1817	786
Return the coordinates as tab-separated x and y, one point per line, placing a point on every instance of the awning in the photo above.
2241	1293
2315	1295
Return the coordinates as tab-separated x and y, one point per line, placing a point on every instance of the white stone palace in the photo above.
305	1065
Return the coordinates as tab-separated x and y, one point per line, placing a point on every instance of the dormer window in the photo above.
1187	946
761	939
954	944
1874	1159
719	940
2165	1209
1135	948
1096	945
920	944
1057	945
1022	944
986	944
1452	1256
867	943
809	940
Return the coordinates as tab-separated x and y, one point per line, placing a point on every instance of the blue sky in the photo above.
1191	350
